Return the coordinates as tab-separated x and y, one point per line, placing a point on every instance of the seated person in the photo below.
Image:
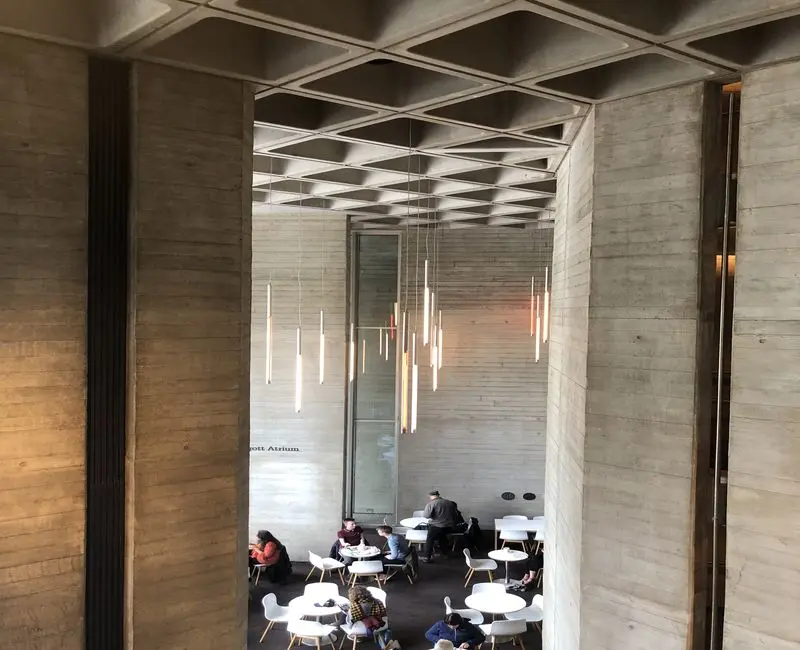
461	633
368	614
270	553
349	535
398	546
533	565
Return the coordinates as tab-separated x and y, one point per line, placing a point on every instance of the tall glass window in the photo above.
372	448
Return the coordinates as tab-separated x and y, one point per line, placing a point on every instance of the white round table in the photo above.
359	552
507	555
413	522
306	607
495	603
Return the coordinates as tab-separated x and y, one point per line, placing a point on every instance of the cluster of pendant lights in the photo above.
540	313
432	333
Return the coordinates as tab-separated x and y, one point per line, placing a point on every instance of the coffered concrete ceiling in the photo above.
419	111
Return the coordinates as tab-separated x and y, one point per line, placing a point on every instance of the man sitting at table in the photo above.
455	629
349	535
398	546
441	514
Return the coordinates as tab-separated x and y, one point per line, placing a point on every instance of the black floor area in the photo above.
412	608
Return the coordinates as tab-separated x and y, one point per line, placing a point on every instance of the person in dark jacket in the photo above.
461	633
442	514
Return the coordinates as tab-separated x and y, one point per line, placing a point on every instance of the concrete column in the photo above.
763	524
43	238
187	467
622	423
296	459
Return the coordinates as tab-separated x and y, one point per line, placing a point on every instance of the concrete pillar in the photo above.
187	470
622	418
43	170
763	517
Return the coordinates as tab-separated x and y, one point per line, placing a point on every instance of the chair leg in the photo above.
355	641
309	573
538	627
469	576
321	575
491	577
267	629
258	576
341	643
541	573
521	644
291	641
341	576
319	645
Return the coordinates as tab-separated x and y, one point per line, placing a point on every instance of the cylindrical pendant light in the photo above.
380	341
441	340
433	329
363	356
269	334
414	382
321	347
394	319
298	374
386	345
532	306
426	305
538	329
351	360
435	358
404	378
546	317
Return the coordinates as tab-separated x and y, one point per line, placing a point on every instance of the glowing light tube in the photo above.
441	340
414	382
426	306
363	356
433	329
532	306
404	380
298	374
321	347
538	329
351	362
269	334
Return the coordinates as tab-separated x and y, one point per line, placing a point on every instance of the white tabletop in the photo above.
360	552
529	525
307	606
413	522
508	555
495	603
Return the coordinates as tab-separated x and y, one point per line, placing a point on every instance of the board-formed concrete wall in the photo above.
763	520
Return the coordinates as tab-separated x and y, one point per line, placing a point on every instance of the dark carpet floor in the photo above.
412	608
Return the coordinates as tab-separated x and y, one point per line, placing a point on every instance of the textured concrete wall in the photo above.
641	364
566	398
491	402
763	526
187	456
43	139
298	494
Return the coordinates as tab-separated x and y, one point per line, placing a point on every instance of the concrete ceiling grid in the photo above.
456	112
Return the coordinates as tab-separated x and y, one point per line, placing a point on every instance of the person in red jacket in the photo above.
267	551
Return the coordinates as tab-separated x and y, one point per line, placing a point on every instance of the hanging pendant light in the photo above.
546	317
435	357
533	301
433	328
269	334
321	347
363	356
380	341
393	321
441	340
426	305
298	373
404	379
414	382
386	345
351	357
538	329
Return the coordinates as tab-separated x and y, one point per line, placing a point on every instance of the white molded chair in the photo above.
321	591
472	615
358	631
478	565
372	568
311	631
325	565
490	588
416	537
275	613
533	613
378	594
505	631
515	536
418	513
